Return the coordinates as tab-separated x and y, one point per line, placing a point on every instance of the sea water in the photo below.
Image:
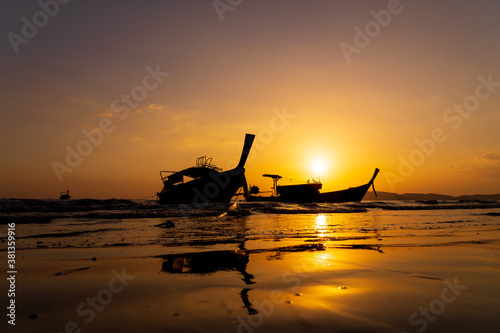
119	223
388	266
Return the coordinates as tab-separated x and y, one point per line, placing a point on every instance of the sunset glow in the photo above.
319	167
102	113
250	166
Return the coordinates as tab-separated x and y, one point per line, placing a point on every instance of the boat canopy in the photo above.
272	176
203	168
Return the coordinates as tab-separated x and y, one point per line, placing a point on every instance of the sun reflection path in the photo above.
321	224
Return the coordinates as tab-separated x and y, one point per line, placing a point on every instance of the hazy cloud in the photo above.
493	156
487	164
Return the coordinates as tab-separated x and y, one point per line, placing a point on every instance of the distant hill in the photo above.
427	196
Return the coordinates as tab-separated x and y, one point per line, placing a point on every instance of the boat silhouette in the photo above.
208	183
65	196
309	192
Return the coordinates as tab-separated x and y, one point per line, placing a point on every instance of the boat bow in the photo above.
371	182
246	150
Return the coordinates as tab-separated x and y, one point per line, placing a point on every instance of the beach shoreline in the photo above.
292	268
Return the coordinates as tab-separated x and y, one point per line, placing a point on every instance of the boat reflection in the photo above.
246	302
208	263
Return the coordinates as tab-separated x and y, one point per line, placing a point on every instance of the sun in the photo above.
318	166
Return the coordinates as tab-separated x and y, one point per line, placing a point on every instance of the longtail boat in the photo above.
309	192
205	183
65	196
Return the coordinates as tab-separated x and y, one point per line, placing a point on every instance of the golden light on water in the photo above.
321	220
321	224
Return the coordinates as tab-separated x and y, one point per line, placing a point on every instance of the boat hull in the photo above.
353	194
216	187
299	193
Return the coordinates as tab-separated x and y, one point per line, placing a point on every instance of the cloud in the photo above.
484	165
106	115
152	107
492	156
155	107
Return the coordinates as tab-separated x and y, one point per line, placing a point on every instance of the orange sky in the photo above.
170	81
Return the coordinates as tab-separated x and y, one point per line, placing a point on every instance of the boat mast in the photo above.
275	179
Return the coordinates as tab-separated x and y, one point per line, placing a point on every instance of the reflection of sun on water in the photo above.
321	224
320	220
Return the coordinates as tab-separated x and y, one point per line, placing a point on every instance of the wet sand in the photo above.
375	271
296	289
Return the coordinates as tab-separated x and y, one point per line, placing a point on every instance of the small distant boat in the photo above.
208	183
65	196
309	192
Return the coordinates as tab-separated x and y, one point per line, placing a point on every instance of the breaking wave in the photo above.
26	211
91	223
